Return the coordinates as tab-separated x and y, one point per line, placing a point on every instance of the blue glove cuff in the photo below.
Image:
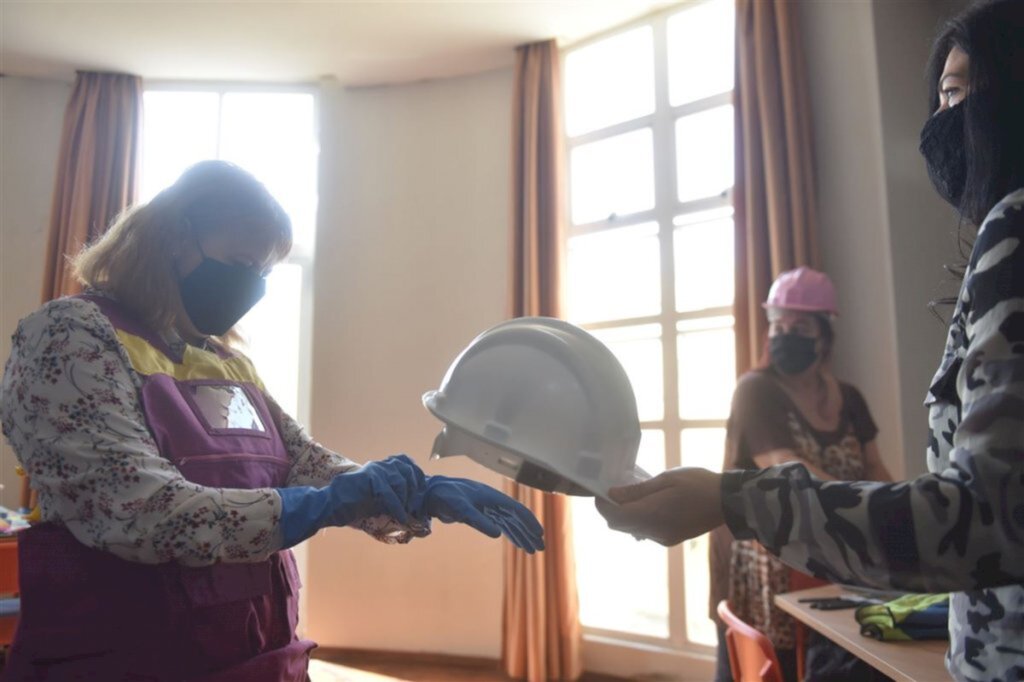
304	511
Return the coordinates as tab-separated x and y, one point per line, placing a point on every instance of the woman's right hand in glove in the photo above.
675	505
381	488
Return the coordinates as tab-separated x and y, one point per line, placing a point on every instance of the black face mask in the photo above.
216	295
792	353
942	145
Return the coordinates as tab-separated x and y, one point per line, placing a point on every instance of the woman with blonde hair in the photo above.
170	483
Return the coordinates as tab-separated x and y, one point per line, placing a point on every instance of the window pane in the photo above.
613	177
699	628
610	81
704	262
614	274
622	583
700	448
704	158
707	369
651	455
271	329
703	448
273	136
639	350
701	51
179	129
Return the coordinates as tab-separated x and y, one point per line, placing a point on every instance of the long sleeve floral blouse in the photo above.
70	408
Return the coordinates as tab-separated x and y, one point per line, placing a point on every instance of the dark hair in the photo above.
991	32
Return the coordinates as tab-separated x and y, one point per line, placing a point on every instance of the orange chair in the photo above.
751	654
8	587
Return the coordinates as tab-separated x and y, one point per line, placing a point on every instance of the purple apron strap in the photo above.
124	320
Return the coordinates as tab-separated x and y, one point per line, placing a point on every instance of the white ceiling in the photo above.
358	42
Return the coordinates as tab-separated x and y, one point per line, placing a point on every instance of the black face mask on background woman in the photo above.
792	353
216	295
942	145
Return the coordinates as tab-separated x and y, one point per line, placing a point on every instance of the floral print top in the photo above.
70	408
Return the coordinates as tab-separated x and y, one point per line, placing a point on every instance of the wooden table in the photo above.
914	661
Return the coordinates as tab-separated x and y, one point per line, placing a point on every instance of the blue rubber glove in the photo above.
491	512
383	488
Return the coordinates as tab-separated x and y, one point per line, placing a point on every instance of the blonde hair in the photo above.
134	260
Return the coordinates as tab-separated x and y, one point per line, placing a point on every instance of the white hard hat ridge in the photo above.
543	402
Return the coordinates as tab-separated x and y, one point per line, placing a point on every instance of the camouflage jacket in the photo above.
959	528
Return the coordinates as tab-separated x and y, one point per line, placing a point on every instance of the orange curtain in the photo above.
97	171
776	221
542	634
97	178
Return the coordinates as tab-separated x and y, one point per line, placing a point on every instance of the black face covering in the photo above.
792	353
942	145
216	295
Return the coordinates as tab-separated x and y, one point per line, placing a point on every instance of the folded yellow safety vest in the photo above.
912	616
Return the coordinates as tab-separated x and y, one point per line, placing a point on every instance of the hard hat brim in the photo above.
454	440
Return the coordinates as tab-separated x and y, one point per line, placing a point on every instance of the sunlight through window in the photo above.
649	127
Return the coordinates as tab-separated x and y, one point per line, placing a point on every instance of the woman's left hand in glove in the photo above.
459	500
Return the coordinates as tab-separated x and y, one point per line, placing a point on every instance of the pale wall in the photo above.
31	116
885	233
922	227
853	221
412	263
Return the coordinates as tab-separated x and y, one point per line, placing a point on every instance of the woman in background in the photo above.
170	483
793	409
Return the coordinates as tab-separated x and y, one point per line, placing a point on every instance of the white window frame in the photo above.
301	254
615	651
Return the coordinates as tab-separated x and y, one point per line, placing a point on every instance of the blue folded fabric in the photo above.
10	607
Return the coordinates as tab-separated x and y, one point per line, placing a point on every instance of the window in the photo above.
649	128
272	134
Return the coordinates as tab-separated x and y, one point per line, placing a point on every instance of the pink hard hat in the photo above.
803	289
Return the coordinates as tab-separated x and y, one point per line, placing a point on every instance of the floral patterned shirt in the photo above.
70	408
959	528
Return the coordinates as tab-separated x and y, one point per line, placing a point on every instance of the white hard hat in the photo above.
543	402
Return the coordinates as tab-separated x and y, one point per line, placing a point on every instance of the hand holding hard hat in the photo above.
544	403
674	506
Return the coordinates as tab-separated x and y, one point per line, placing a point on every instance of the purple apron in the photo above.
89	615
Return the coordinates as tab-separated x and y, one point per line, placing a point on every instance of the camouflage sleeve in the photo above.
958	528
